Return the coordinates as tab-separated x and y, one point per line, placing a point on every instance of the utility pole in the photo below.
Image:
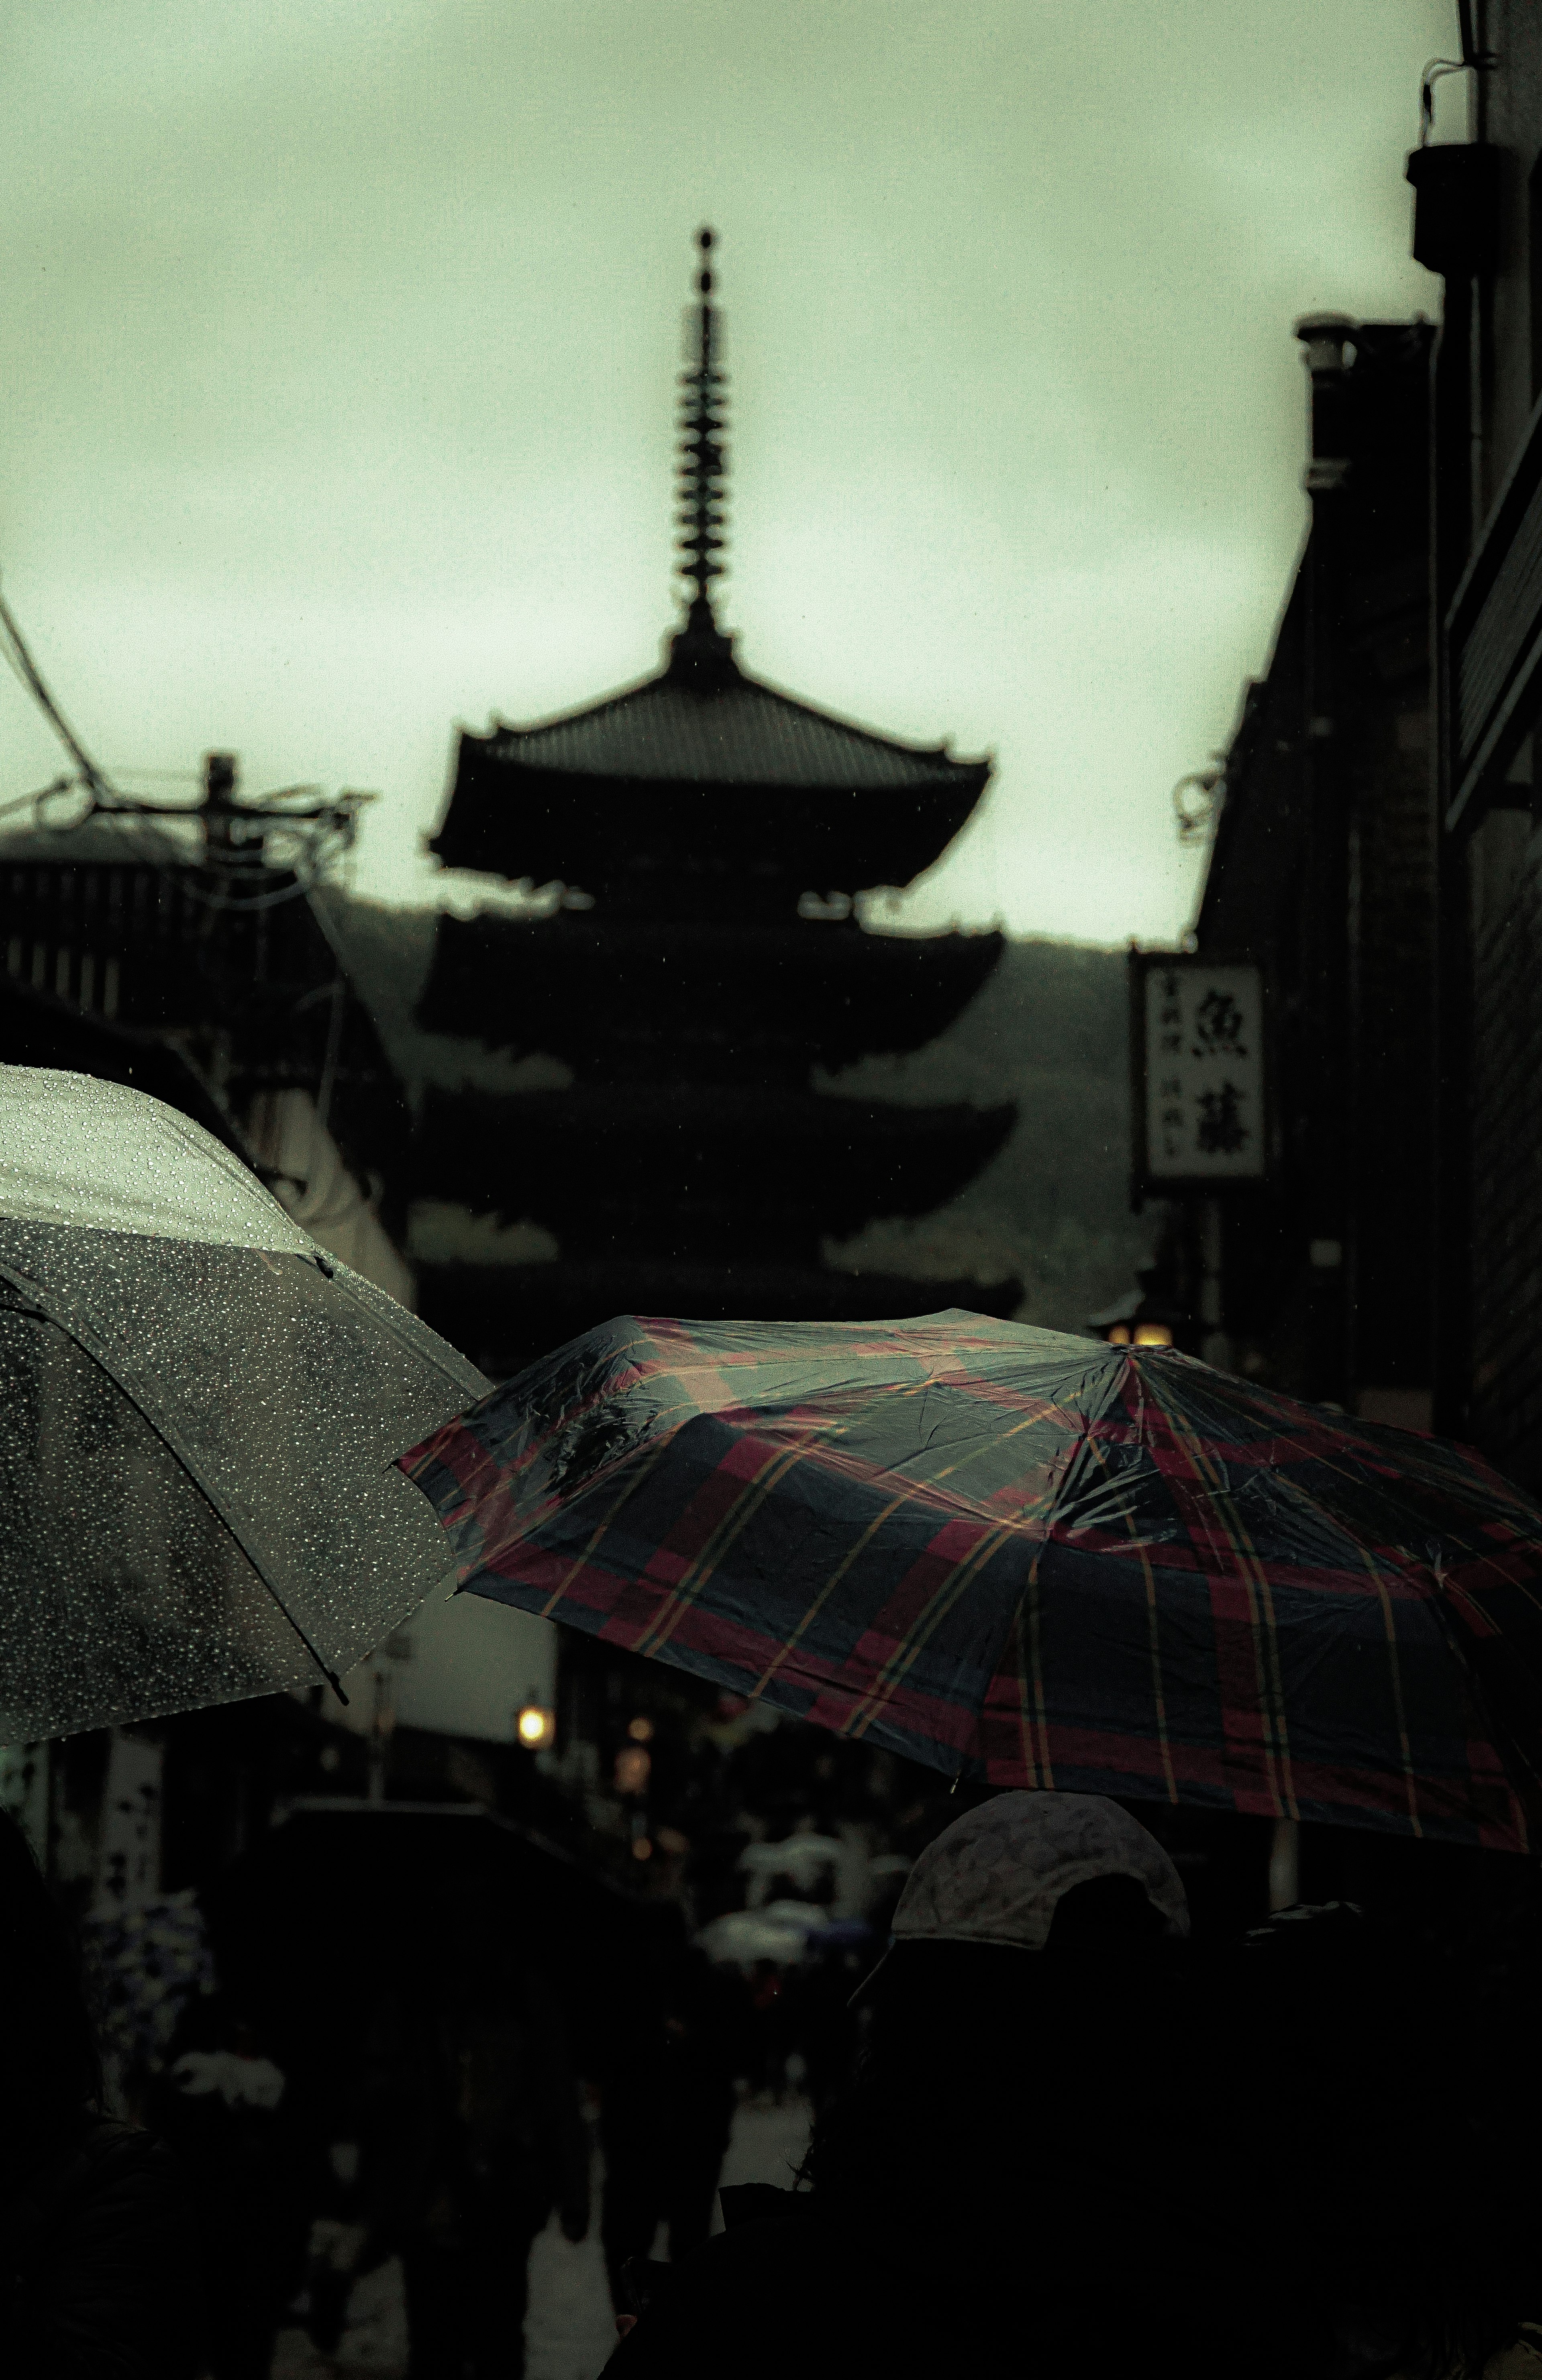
218	804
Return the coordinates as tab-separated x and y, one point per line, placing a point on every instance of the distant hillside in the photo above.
1049	1031
389	952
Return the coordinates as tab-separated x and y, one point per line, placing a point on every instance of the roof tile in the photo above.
735	733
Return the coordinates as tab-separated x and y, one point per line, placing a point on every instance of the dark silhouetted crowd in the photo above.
1073	2141
1070	2138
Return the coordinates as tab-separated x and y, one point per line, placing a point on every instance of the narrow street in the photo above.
570	2331
771	1190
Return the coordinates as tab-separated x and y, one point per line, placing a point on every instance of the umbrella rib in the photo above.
1254	1575
394	1318
631	1481
1020	1667
899	1663
1315	1503
688	1587
1083	1450
1153	1617
988	1446
1388	1621
852	1554
66	1318
1034	1600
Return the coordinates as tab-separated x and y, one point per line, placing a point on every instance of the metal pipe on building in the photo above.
1325	339
1217	1344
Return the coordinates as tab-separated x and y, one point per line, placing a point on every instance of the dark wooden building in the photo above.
192	954
1322	870
1478	225
702	973
1439	1155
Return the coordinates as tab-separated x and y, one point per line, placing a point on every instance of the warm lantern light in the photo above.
1151	1314
642	1848
536	1727
632	1769
640	1729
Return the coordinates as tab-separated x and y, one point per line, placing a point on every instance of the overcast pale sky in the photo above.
339	342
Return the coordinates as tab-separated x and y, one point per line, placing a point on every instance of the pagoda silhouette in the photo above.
708	833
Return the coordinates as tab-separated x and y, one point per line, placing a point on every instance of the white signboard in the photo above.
1206	1119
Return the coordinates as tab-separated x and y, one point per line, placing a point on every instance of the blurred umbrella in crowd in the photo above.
199	1499
1028	1559
806	1860
784	1932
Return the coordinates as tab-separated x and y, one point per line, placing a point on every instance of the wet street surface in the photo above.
570	2329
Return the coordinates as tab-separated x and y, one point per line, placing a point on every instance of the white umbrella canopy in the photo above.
742	1936
199	1416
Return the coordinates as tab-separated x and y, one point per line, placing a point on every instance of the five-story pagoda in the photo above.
708	833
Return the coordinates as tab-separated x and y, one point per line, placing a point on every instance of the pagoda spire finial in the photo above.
703	464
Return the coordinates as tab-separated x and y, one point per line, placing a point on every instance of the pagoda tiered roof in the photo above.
688	1170
733	732
650	784
692	1167
613	996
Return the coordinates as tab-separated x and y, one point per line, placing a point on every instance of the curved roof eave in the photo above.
663	730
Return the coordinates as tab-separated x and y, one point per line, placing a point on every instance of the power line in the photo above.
32	678
23	801
325	834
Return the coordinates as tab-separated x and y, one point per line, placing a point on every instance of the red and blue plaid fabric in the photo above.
1032	1559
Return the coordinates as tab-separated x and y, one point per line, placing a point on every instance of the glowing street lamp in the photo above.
535	1725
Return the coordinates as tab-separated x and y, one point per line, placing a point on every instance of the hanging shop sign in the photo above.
1201	1108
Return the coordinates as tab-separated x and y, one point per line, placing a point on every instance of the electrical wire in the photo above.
138	825
1472	61
164	776
23	801
326	833
1436	70
32	677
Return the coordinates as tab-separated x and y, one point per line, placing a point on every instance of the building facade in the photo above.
1322	874
1377	845
1479	226
194	954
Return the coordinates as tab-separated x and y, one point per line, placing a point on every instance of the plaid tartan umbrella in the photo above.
1029	1560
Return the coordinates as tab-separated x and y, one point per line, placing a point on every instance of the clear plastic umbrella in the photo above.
199	1416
